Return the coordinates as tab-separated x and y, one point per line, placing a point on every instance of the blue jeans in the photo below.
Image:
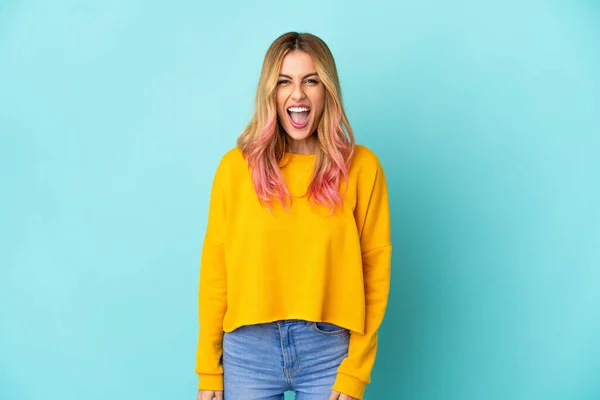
262	361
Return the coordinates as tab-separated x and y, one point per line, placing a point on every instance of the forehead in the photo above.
297	63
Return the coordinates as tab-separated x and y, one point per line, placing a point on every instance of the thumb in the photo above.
334	395
219	395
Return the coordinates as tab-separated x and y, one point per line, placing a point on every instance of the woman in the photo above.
295	267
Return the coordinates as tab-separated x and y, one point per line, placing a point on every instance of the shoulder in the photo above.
231	165
232	156
364	159
232	160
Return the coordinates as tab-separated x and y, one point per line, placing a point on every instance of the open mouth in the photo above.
298	116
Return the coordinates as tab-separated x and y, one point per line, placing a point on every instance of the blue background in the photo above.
485	115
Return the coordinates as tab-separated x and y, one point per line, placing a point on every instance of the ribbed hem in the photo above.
349	385
210	382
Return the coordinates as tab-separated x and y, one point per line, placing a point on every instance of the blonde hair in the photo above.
263	141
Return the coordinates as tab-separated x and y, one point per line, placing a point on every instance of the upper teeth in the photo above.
298	109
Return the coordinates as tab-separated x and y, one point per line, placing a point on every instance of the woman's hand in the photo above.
210	394
340	396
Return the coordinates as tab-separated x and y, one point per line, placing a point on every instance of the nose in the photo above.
298	92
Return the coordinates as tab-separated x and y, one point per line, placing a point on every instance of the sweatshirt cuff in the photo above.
349	385
210	382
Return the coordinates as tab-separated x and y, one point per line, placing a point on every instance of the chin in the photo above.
299	135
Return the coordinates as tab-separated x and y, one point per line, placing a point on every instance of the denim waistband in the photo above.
290	322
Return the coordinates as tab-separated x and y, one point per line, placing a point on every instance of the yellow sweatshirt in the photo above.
260	266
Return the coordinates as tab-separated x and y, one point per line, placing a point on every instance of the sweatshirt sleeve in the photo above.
373	222
212	289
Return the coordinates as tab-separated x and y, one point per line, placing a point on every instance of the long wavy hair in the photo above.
263	141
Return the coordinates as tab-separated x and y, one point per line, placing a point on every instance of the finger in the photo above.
219	395
334	395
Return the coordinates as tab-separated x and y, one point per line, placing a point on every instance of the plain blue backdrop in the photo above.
485	115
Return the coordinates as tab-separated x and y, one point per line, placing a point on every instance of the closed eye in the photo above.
309	81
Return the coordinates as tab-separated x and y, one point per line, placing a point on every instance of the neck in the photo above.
304	146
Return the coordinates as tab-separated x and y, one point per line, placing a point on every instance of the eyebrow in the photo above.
304	77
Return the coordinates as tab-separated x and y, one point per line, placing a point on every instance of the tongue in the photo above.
299	117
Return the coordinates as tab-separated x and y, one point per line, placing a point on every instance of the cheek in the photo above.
319	116
279	103
280	95
320	107
320	101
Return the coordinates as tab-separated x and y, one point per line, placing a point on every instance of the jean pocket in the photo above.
327	328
